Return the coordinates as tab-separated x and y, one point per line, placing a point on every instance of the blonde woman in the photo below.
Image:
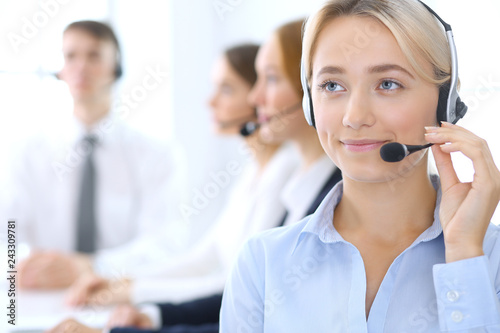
391	248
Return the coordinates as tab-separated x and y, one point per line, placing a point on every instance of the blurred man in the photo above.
91	189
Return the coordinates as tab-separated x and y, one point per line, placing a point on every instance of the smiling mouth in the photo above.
262	119
361	146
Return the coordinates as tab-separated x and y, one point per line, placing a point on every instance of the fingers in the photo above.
79	293
32	269
67	326
123	316
111	292
72	326
48	270
453	138
445	168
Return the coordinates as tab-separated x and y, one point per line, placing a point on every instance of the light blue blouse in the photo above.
307	278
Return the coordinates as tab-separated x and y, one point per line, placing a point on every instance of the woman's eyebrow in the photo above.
330	70
374	69
389	67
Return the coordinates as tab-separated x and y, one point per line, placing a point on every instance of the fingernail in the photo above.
431	128
430	134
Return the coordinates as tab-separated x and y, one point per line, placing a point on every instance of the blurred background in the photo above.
182	39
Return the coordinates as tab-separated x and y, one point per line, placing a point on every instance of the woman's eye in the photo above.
389	85
331	86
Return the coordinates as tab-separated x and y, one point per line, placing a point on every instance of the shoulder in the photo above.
276	241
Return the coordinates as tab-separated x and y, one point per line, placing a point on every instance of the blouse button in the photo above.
457	316
452	296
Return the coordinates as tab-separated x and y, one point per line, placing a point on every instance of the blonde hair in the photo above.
417	32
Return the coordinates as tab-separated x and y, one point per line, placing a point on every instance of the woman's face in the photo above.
366	94
229	102
277	102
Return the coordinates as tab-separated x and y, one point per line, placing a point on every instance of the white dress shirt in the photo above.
304	186
307	278
137	187
254	205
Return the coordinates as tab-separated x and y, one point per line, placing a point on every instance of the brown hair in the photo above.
290	40
242	60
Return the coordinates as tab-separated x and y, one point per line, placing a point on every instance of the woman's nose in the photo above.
358	112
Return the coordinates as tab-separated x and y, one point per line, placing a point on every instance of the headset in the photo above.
450	107
118	67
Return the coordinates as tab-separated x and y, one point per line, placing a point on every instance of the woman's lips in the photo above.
361	146
262	119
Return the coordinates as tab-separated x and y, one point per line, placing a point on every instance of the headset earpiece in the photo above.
118	71
450	107
441	112
307	105
118	68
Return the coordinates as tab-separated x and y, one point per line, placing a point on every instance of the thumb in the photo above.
445	168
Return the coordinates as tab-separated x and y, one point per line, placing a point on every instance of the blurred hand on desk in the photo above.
123	316
129	316
72	326
91	289
52	270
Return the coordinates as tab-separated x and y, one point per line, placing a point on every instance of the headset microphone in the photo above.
250	127
235	121
395	151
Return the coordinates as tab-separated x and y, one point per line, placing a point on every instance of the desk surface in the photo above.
40	310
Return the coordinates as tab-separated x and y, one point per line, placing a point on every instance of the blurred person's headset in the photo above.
101	31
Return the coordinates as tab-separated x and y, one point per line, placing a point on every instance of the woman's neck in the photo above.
388	211
262	152
89	112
